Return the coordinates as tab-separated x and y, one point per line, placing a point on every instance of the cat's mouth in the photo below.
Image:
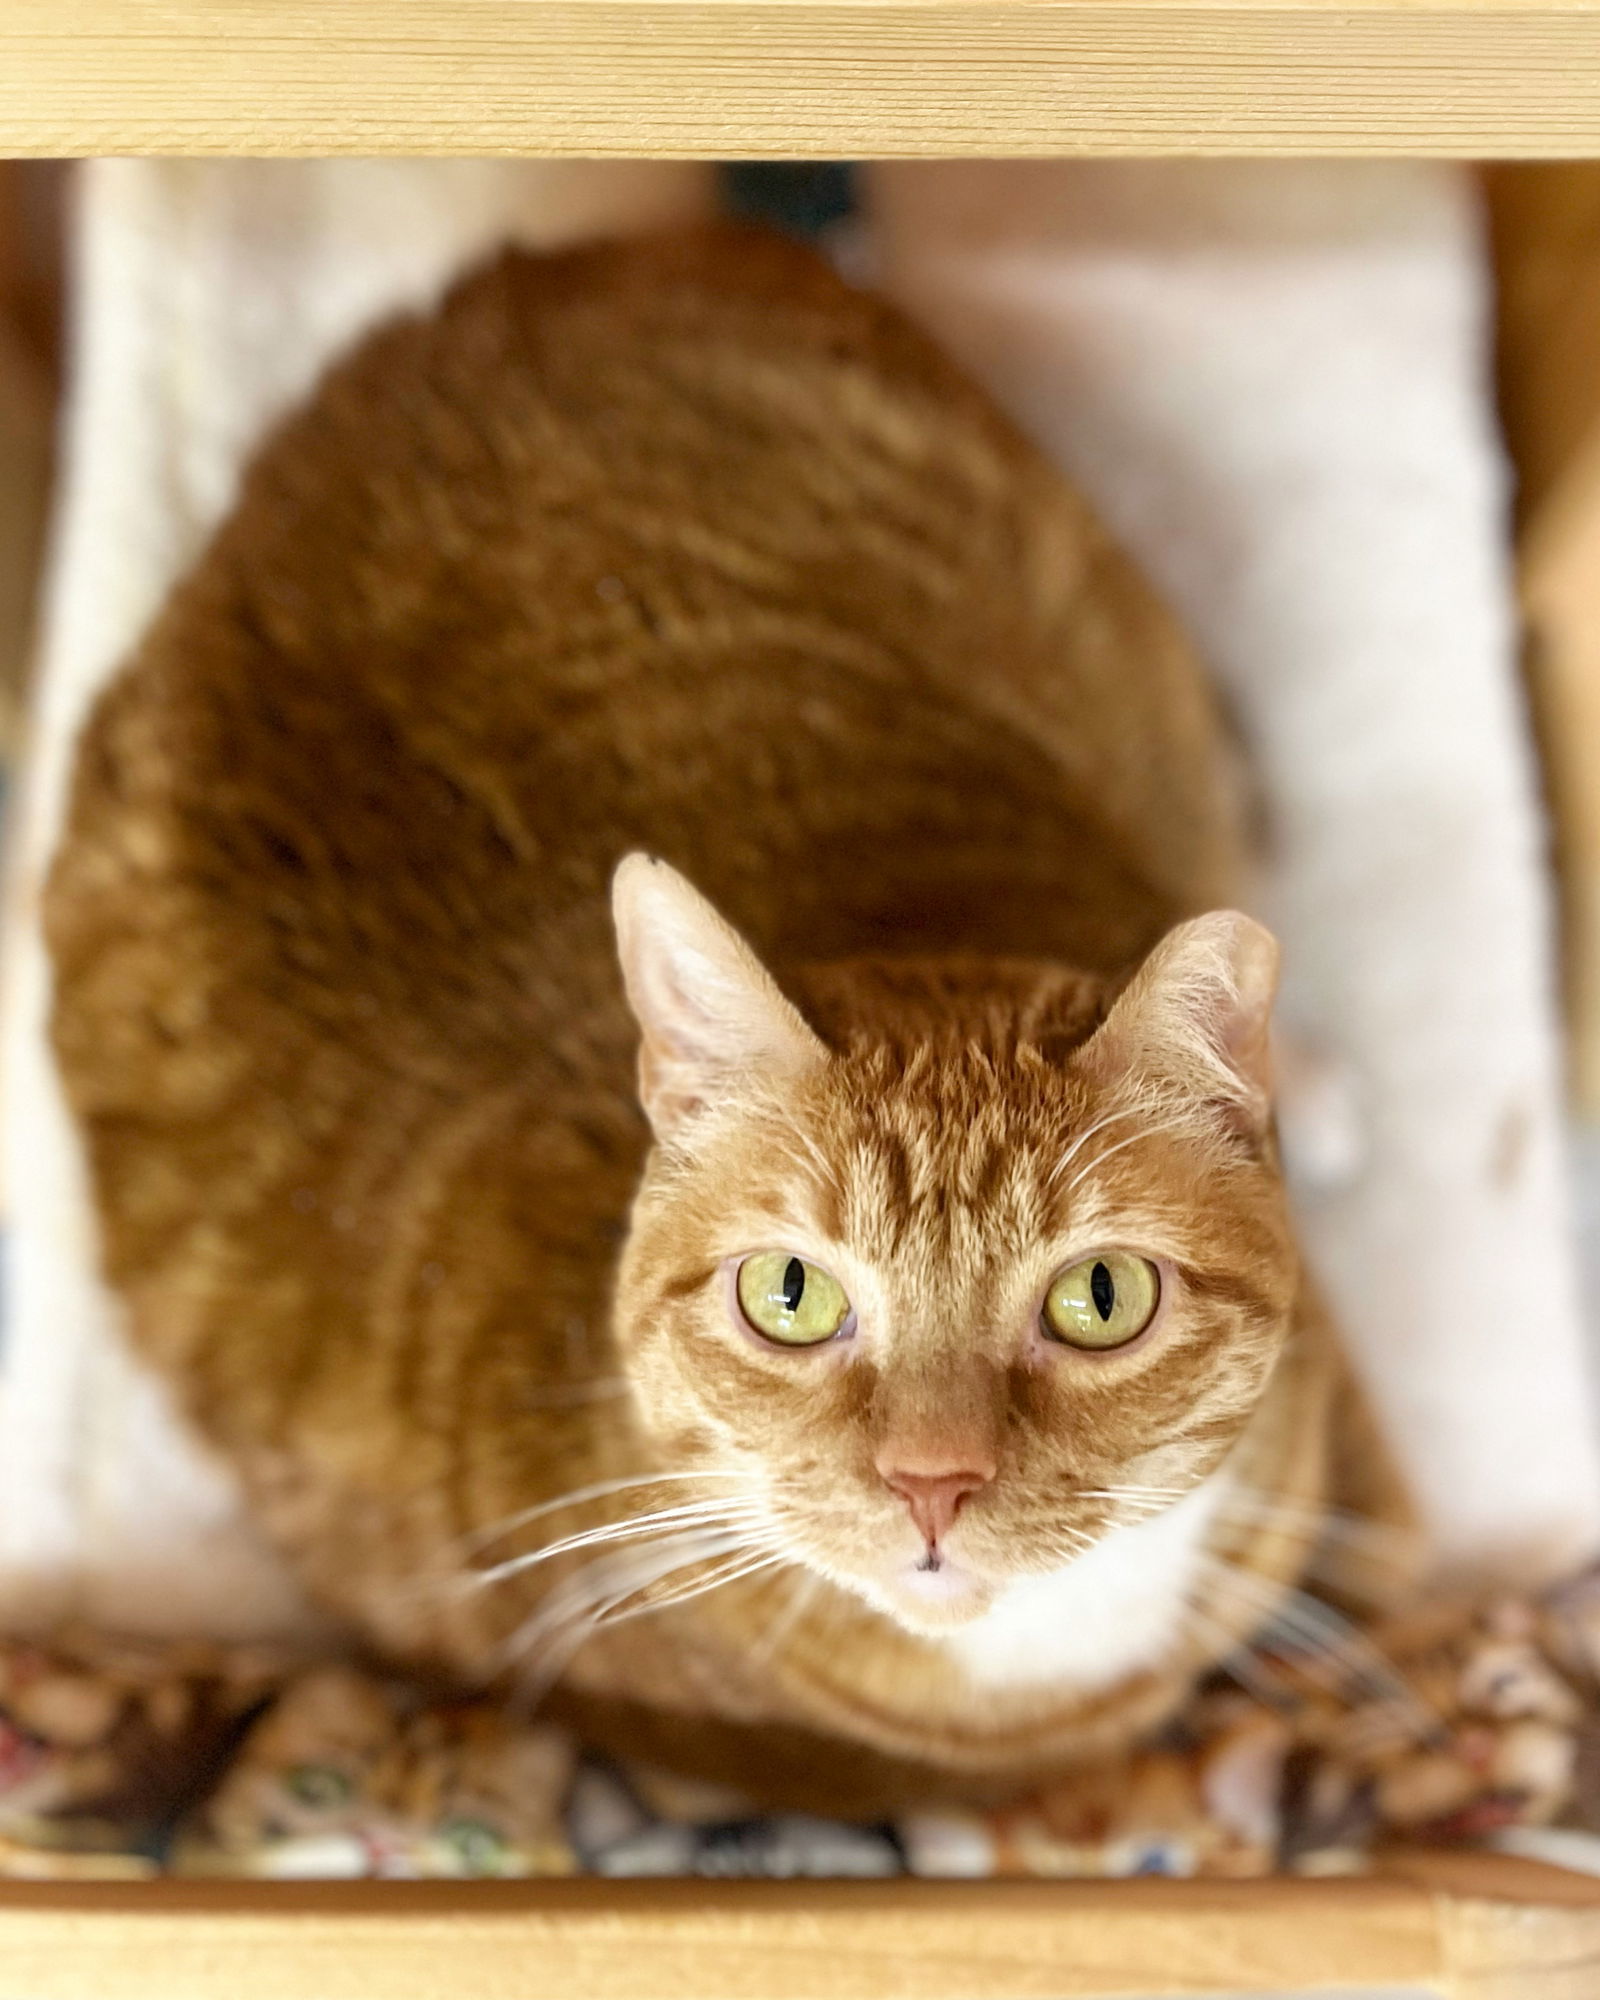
934	1593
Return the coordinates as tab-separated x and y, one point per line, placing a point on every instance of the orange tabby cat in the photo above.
958	1398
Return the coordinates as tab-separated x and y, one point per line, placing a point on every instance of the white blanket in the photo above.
1272	379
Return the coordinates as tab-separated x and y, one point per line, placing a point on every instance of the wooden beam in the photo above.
793	1941
1547	254
1477	1938
813	78
1546	230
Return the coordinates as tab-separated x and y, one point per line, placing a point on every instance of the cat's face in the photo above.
917	1296
339	1779
303	1778
475	1792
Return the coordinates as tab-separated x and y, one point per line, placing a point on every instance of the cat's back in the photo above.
683	545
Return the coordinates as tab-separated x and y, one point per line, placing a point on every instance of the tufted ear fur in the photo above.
709	1012
1197	1015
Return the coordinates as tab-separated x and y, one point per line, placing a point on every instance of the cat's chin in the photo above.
931	1601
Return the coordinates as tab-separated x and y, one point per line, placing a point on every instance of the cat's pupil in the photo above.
794	1284
1103	1290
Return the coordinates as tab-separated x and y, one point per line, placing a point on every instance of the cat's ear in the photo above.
1197	1015
709	1012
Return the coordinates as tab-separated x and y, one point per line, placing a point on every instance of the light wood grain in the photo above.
1547	254
683	1941
1560	591
1546	227
796	1941
818	78
1510	1929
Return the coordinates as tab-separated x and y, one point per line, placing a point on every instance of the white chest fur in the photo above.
1106	1615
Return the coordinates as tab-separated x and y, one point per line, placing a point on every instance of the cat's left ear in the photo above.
709	1012
1197	1015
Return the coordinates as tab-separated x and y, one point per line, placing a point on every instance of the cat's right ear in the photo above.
709	1013
1196	1015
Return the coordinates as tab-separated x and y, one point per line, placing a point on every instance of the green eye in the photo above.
323	1787
1102	1302
475	1844
790	1301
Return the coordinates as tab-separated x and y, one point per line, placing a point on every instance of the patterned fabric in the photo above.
1460	1723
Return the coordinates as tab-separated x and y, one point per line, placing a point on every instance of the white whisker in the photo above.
1233	1656
1319	1634
1255	1506
1089	1132
602	1489
1076	1541
688	1592
1161	1493
565	1619
1336	1522
779	1630
1133	1139
706	1513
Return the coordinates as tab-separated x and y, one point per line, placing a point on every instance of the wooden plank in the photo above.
1474	1927
1560	589
1547	250
1511	1929
693	1941
1546	231
801	78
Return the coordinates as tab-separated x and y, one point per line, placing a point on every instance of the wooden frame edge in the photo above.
801	78
1473	1931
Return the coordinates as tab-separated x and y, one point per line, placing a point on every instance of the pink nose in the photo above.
933	1498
